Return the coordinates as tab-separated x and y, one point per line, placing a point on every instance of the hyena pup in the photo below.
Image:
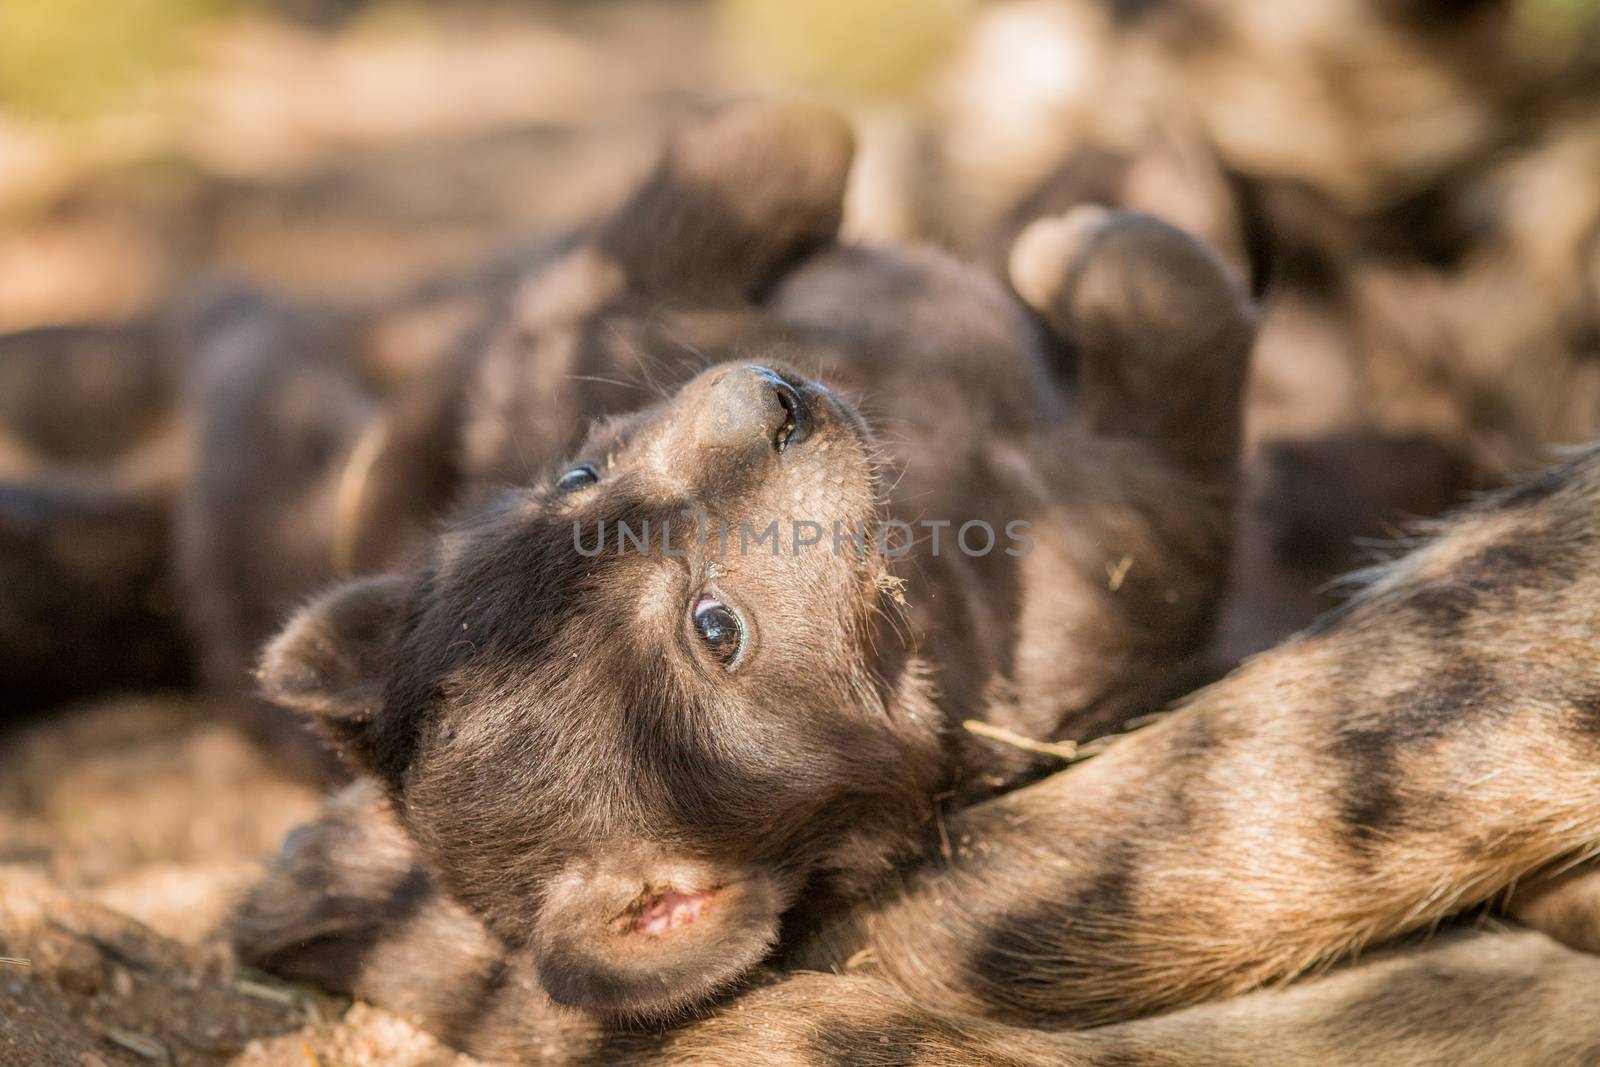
645	768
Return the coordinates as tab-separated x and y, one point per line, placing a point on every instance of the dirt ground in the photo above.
127	828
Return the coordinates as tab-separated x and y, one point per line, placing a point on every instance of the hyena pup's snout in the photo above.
754	408
762	420
633	931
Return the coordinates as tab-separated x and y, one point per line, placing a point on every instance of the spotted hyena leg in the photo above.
1411	756
1487	999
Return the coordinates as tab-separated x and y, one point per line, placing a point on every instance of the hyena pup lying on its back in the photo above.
643	763
1420	751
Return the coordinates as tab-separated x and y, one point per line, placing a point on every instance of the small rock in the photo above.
89	1059
122	982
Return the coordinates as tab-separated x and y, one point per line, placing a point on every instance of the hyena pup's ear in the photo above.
329	661
1161	330
738	196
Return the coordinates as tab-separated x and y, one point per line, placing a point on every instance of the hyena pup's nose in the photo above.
749	407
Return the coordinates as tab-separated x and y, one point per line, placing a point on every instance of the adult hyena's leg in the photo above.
1415	754
1489	999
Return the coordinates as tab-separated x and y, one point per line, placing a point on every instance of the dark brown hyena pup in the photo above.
633	757
1423	749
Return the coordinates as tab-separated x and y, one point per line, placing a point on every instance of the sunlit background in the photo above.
318	143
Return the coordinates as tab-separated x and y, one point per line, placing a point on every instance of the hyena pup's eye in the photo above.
720	629
577	478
